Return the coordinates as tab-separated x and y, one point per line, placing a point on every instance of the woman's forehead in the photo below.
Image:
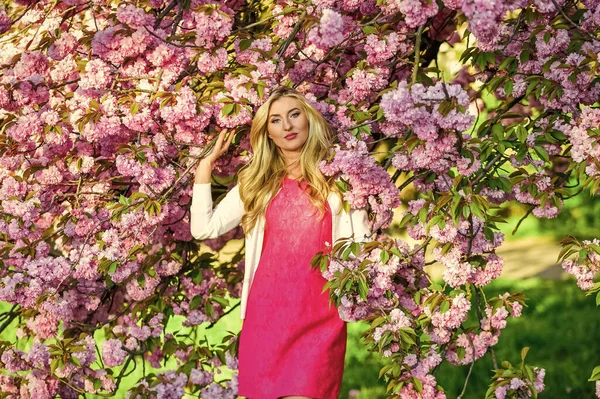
283	105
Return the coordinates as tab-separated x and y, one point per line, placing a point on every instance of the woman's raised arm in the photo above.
204	222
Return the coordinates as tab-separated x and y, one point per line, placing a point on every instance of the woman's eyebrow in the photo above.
293	109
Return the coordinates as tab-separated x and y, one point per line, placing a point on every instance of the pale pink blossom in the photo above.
112	353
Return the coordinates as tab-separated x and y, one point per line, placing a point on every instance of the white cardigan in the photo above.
206	223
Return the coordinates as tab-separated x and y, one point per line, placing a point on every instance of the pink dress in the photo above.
292	342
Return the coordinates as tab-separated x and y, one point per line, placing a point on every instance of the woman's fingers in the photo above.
220	138
220	148
229	140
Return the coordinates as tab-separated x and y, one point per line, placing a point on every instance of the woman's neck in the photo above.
294	171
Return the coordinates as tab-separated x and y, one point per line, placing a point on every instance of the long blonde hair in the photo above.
261	178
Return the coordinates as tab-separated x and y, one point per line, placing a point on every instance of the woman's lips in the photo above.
291	136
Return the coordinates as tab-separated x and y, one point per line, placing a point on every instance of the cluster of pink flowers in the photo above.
416	12
517	387
381	49
369	183
364	84
585	147
484	20
584	270
211	28
114	46
15	360
422	369
538	190
443	323
470	256
32	386
210	285
583	90
252	53
381	279
418	107
331	30
5	22
113	353
475	345
417	110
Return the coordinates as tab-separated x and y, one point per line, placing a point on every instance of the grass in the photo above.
560	325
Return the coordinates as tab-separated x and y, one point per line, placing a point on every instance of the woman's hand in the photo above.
204	169
219	148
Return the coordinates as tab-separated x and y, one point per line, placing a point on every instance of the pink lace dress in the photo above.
292	342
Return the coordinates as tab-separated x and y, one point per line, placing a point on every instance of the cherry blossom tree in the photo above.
107	106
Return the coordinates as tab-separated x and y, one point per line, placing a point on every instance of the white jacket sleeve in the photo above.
206	223
360	224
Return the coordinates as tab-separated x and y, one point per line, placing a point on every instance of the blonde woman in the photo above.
292	343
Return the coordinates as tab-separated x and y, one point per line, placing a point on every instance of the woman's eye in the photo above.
274	120
296	114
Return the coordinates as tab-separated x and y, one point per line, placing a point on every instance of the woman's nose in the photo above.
287	125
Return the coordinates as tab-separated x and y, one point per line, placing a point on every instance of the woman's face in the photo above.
288	126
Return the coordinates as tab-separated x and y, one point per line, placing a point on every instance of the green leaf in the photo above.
407	338
542	153
384	256
196	301
227	109
547	37
75	361
363	290
436	287
384	369
346	206
245	44
209	309
315	260
508	87
529	372
498	132
260	89
524	352
418	384
324	263
112	268
369	30
461	352
355	248
595	247
595	374
221	301
444	307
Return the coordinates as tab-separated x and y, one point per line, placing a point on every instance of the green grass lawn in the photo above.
560	324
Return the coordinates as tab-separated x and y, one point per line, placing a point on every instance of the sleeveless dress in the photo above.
292	342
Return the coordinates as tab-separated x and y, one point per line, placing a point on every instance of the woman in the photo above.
292	343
